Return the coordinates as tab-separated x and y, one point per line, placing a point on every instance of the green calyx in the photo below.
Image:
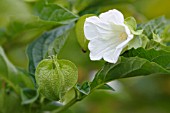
139	39
80	32
132	25
55	77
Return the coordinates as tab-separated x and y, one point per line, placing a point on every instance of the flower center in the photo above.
123	36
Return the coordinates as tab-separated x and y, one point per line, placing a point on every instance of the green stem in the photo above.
72	102
65	107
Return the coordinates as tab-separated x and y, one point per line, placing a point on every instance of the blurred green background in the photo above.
133	95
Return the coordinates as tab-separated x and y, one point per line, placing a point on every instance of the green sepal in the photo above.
156	38
138	41
137	32
132	25
80	32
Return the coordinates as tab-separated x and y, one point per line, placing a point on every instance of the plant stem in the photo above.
65	107
73	101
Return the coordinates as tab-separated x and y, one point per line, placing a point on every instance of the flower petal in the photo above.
108	35
112	16
95	28
113	54
127	30
99	47
120	47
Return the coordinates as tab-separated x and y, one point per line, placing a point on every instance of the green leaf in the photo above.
29	95
84	88
157	46
160	57
156	26
55	77
138	41
106	87
69	95
30	0
51	106
10	8
47	44
127	67
22	25
138	32
54	12
131	23
2	36
10	74
80	32
156	38
26	29
9	101
165	36
83	5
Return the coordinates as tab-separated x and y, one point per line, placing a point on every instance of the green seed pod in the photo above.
80	31
55	77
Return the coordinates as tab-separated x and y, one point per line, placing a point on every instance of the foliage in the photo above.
45	31
49	43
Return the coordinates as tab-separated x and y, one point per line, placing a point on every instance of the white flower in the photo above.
108	35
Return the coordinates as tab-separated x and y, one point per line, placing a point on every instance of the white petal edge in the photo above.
112	16
113	55
95	28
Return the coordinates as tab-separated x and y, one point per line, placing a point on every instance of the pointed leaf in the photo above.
156	26
10	74
160	57
157	46
127	67
29	95
106	87
131	23
47	44
138	41
55	13
84	88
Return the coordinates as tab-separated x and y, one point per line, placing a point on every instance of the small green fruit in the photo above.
55	77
